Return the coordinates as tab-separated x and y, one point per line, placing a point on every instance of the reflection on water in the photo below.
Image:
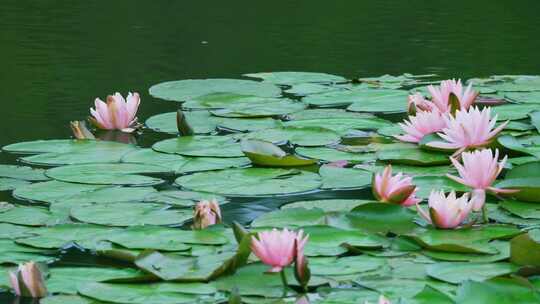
57	56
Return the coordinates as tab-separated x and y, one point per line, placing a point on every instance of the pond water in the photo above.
57	56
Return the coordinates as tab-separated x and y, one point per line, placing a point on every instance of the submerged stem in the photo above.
284	281
485	214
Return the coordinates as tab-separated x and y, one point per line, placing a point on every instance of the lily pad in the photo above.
513	111
291	218
7	184
209	146
308	136
52	191
456	273
500	291
522	209
357	96
251	182
108	174
332	155
384	104
28	216
381	217
265	108
525	248
411	155
328	205
304	89
503	248
341	125
182	198
130	214
66	279
426	183
328	241
344	178
289	78
266	154
22	173
523	97
58	236
183	90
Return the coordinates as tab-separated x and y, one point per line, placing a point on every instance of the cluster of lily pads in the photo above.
156	212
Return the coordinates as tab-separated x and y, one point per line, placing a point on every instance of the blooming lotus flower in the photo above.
301	269
422	124
479	171
117	113
440	96
28	281
206	213
397	189
468	129
277	248
417	102
446	211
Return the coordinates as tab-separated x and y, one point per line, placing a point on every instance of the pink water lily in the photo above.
422	124
446	212
468	129
206	213
440	96
28	281
117	113
277	248
417	102
479	171
397	189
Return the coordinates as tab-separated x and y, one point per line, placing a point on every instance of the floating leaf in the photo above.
513	111
502	247
7	184
308	136
289	78
456	273
130	214
522	209
411	155
183	90
344	178
182	198
328	205
108	174
328	241
332	155
304	89
52	191
290	218
265	108
500	291
266	154
23	173
210	146
525	248
356	96
381	217
28	216
341	125
387	104
61	235
427	183
251	182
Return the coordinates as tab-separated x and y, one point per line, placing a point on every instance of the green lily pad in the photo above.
182	198
66	279
223	100
58	236
264	108
328	205
14	254
289	78
22	173
328	241
341	125
332	155
502	247
513	111
356	96
456	273
327	113
157	293
52	191
472	240
512	143
328	266
500	291
522	209
523	97
304	89
10	231
7	184
113	194
71	299
130	214
183	90
290	218
181	164
209	146
165	239
28	216
164	122
381	217
308	136
411	155
251	182
108	174
409	170
426	183
62	146
266	154
344	178
525	248
387	104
